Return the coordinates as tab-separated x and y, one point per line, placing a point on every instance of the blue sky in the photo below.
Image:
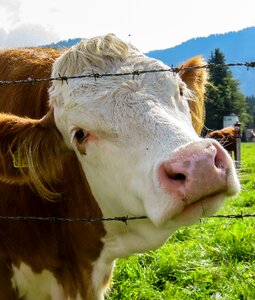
148	24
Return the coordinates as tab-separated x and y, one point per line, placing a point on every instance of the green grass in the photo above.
211	260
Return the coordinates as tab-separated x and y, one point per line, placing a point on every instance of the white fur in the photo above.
138	123
33	286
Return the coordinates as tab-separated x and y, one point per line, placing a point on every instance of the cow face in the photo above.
134	136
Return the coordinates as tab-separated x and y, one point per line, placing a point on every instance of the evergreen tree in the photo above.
223	94
251	108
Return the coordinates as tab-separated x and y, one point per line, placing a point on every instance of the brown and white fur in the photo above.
114	146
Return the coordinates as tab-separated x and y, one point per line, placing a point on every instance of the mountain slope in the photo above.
236	46
63	44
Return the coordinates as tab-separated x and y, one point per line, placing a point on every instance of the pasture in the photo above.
211	260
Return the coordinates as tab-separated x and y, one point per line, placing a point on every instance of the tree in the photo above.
223	94
251	108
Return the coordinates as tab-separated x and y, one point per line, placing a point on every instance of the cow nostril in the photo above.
174	172
219	158
177	176
218	162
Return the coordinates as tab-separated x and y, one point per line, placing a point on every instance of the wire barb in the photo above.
95	75
63	78
136	73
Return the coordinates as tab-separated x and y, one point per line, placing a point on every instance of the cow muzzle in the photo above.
197	172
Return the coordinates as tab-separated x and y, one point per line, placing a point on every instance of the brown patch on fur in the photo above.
16	64
68	250
65	249
196	80
39	145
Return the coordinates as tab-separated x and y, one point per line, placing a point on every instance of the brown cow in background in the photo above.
226	136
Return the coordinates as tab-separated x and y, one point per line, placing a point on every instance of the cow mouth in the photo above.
204	207
186	213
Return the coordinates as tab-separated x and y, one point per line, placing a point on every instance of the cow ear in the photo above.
195	79
30	152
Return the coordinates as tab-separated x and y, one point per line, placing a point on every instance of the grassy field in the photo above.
211	260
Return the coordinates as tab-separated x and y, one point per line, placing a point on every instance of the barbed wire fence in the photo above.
96	76
123	219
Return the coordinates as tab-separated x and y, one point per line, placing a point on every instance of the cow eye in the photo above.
181	91
80	135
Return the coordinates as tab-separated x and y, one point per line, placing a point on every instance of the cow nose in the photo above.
196	171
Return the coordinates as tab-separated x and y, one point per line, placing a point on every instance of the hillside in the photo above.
237	47
63	44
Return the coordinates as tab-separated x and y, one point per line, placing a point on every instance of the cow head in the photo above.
137	140
134	136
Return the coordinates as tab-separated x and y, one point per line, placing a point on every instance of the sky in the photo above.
147	24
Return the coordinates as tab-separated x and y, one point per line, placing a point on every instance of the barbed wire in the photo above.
237	216
96	76
123	219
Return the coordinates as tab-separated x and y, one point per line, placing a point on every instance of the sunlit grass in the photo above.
211	260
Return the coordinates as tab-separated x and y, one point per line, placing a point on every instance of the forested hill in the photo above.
63	44
237	47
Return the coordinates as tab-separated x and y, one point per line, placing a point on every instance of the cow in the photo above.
98	147
227	137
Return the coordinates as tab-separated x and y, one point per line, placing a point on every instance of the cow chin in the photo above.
203	208
188	214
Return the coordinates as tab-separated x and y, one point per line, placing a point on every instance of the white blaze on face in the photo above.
122	129
128	127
